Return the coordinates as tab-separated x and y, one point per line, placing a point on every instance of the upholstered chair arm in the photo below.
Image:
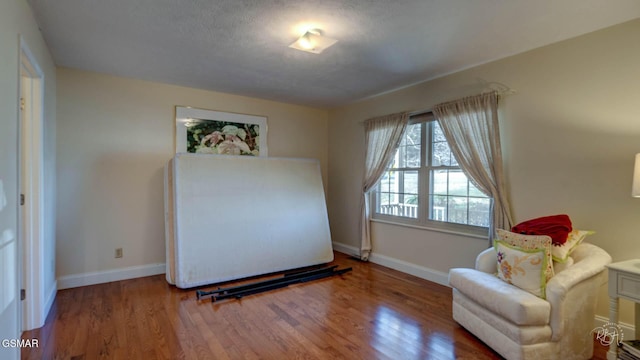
580	282
487	261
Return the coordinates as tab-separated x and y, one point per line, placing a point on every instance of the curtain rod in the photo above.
420	112
410	113
500	88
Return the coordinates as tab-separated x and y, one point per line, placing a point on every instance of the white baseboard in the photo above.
51	297
345	249
628	330
100	277
422	272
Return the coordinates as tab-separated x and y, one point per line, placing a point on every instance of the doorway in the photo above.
30	214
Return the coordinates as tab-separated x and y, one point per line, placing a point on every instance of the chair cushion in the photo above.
466	311
506	300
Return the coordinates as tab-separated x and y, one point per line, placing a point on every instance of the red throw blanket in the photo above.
557	227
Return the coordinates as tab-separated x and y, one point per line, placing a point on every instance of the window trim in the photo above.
424	171
480	233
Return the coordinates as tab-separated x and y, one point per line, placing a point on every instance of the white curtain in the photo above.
382	137
470	126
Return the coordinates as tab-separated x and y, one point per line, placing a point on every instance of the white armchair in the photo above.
520	325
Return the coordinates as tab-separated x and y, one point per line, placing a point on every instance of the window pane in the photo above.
454	162
410	205
473	191
390	204
396	160
394	198
441	155
408	210
457	210
384	182
413	134
386	205
458	183
392	182
401	156
384	199
450	200
479	211
440	149
408	153
437	133
411	182
438	209
439	182
412	156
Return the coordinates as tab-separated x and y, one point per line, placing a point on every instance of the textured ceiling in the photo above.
241	46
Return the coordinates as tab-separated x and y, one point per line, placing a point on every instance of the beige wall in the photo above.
569	137
16	20
114	137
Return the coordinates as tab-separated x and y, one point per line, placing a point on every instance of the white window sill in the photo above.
422	227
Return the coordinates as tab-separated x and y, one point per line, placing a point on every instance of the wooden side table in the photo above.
624	282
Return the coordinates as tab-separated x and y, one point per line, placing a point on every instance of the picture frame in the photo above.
220	133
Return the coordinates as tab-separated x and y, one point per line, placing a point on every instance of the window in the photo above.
424	185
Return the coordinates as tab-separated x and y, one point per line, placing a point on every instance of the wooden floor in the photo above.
371	312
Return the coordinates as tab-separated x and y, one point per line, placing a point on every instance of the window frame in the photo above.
424	199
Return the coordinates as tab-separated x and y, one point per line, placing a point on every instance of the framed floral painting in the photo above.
223	133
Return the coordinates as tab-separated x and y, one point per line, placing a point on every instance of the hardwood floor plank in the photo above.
210	338
371	312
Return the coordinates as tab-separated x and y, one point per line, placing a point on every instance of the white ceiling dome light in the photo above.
313	41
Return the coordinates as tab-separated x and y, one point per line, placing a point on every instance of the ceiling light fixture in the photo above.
312	41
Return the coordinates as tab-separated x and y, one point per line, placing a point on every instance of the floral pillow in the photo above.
530	242
524	268
560	253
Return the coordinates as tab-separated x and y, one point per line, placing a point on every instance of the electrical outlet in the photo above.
118	252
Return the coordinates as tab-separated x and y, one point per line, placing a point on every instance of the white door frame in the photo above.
31	230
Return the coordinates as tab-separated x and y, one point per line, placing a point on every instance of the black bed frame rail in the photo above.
261	286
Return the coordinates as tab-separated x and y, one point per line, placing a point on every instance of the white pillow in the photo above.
524	268
530	242
560	253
